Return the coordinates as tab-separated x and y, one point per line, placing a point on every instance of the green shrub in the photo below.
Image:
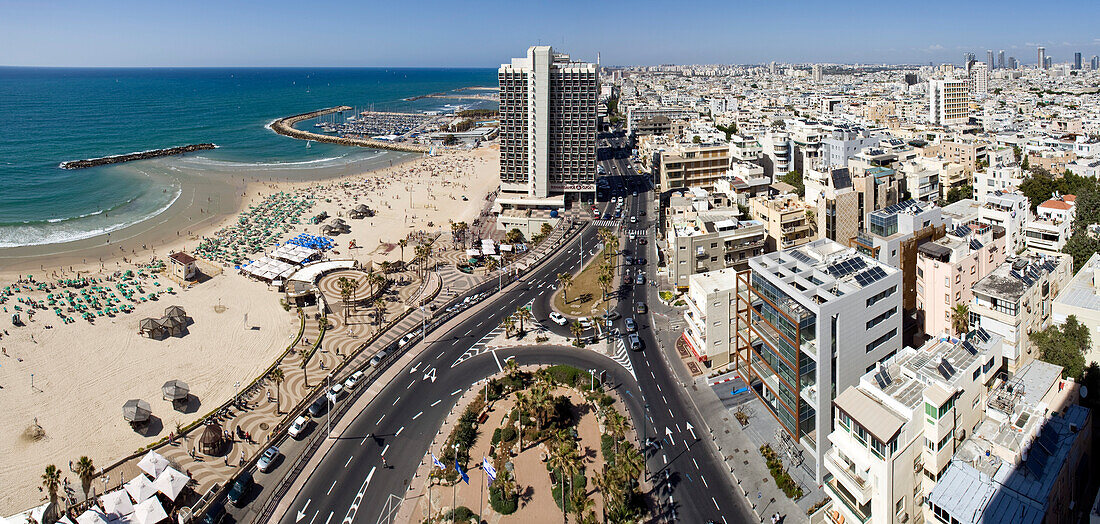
462	514
783	479
496	437
507	434
580	485
503	503
607	448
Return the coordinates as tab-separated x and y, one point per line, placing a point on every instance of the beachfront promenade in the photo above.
285	127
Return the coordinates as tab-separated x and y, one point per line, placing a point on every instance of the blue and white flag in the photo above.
490	471
437	463
465	477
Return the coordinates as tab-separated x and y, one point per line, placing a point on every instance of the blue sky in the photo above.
486	33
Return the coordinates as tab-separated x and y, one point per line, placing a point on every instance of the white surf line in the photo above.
417	415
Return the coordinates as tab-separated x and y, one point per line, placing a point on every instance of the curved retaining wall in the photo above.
285	127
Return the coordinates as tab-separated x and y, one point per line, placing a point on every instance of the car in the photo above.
585	322
634	193
297	427
643	212
408	338
607	216
375	360
628	261
635	342
240	488
640	279
596	213
214	515
633	220
640	308
267	459
336	391
558	318
353	380
639	261
643	241
631	326
318	407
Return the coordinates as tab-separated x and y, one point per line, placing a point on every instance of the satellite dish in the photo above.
1084	391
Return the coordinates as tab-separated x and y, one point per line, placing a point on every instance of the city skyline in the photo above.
131	34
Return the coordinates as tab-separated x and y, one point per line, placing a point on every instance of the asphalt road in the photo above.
351	484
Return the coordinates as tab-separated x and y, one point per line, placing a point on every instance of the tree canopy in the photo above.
1064	346
794	178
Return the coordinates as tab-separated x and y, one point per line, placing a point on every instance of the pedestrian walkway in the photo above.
607	223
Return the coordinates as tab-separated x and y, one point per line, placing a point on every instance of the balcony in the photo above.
847	506
854	482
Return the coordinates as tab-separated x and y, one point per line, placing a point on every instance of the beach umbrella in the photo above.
171	483
149	512
136	410
117	503
153	463
175	390
140	488
92	516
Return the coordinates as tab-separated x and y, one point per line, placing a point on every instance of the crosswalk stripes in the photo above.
605	223
641	232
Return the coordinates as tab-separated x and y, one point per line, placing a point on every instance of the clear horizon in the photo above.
438	34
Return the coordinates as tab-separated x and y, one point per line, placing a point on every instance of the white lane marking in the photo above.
396	400
417	415
364	441
358	498
311	519
693	462
302	512
417	366
455	392
436	403
664	399
658	387
468	332
399	431
715	503
666	458
652	375
349	461
330	489
440	355
702	478
384	449
380	419
409	386
501	368
329	517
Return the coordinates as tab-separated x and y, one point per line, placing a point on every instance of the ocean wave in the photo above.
48	233
210	162
78	217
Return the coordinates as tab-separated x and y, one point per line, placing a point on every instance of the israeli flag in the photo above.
490	471
437	463
465	477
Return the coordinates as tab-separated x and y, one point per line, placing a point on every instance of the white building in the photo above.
809	322
1052	226
1000	177
1081	298
1008	210
948	102
548	129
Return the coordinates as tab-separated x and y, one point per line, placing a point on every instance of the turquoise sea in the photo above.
50	115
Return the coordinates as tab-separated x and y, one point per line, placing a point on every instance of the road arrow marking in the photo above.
668	433
417	366
302	512
430	375
692	430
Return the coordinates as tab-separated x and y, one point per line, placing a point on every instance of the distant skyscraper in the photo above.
967	58
771	67
816	70
1095	63
1077	60
1042	63
1012	64
989	58
1001	59
978	75
1049	63
547	131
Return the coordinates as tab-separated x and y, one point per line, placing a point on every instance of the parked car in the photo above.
635	342
353	380
640	308
613	315
633	220
585	322
318	407
337	390
375	360
558	318
631	326
214	515
297	427
268	458
240	488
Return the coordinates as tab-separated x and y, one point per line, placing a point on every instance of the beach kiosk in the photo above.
183	266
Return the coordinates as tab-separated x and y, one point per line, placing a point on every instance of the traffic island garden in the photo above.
546	432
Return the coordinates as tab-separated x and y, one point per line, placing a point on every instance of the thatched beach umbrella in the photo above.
211	438
175	390
136	410
175	311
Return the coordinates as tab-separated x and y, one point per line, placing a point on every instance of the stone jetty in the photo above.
285	127
117	159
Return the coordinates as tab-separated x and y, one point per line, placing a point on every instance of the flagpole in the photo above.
481	503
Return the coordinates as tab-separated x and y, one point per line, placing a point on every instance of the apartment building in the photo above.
809	322
745	148
547	136
836	203
1052	225
968	153
1005	178
709	240
1053	161
659	125
636	114
709	316
949	267
1081	298
785	220
1016	299
1027	460
896	429
922	180
743	181
948	102
685	164
1008	210
845	142
777	156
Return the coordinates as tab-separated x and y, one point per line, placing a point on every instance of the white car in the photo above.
297	427
405	339
267	459
558	318
353	380
337	390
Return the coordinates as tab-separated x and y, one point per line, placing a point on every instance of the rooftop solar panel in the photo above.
982	334
846	267
799	255
970	348
975	245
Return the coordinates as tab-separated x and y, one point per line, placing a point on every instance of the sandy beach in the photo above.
84	372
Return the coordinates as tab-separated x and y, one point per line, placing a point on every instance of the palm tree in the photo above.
51	481
577	330
604	281
509	325
376	280
347	289
583	507
401	244
560	462
564	281
85	470
616	426
278	376
522	314
385	266
512	367
379	312
631	461
522	404
491	265
606	485
960	318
